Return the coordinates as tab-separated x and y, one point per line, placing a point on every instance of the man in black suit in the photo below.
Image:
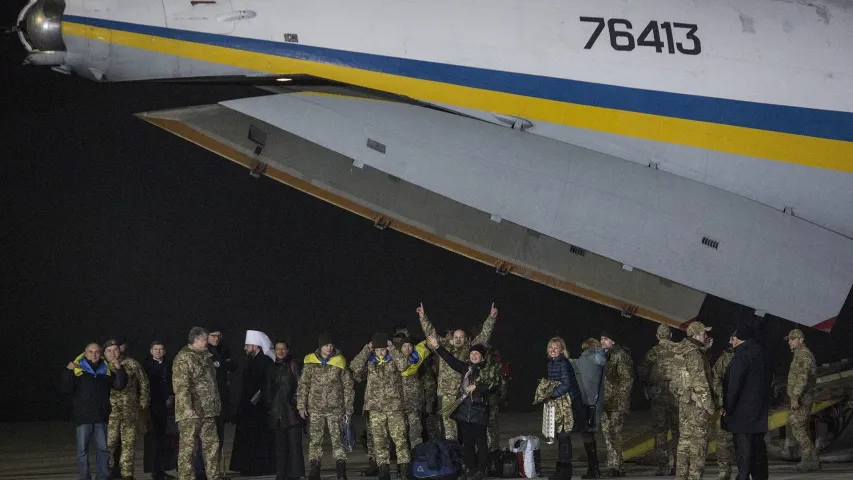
746	388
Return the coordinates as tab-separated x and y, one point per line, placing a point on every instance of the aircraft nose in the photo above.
40	26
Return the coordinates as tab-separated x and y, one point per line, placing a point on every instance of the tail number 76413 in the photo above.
621	38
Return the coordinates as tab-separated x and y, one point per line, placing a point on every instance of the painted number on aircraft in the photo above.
621	38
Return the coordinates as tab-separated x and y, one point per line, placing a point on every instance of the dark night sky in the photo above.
112	225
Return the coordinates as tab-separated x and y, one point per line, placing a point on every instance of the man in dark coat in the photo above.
746	387
283	416
253	454
88	380
161	449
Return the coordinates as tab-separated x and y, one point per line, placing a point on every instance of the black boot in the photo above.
384	472
591	461
563	471
314	471
341	467
372	469
403	471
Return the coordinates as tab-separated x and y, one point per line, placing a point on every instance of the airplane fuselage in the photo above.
751	97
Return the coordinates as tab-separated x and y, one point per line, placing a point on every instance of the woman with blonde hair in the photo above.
560	370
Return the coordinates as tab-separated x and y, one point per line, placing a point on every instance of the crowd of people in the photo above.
444	387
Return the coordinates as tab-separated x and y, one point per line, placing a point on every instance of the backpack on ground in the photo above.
437	460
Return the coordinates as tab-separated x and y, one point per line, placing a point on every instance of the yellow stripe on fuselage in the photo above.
785	147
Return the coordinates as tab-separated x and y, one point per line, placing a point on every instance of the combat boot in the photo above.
372	469
613	473
384	472
808	466
403	471
591	461
341	467
724	475
314	471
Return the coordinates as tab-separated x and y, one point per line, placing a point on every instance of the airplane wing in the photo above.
644	241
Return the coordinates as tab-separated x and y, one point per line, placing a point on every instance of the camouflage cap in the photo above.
795	333
663	331
109	343
696	328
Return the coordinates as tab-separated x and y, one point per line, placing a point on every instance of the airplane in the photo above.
642	155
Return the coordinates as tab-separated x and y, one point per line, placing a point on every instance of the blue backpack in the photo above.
437	460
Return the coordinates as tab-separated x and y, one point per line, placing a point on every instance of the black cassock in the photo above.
161	439
253	452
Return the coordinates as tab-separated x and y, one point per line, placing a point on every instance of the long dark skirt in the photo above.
253	453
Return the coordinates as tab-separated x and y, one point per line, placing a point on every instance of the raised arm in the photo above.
451	361
359	364
400	360
488	326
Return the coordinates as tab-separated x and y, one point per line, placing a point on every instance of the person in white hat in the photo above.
253	452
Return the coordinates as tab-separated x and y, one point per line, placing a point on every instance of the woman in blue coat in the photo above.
560	370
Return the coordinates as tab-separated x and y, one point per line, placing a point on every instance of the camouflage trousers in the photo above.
493	430
725	453
203	429
798	420
122	427
664	419
317	426
415	429
395	423
693	428
611	429
449	424
371	449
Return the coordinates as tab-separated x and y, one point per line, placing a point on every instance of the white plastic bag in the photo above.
526	449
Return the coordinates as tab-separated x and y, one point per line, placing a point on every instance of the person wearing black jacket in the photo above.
283	417
225	365
560	369
746	388
161	448
479	381
88	380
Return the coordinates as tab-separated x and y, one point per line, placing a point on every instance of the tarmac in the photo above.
46	451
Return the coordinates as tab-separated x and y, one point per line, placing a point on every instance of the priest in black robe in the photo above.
253	453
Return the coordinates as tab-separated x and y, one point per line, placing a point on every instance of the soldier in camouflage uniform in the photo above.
325	394
413	388
802	378
458	346
126	406
618	380
654	375
381	365
691	385
197	405
495	401
725	445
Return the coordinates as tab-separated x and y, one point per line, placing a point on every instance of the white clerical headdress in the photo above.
254	337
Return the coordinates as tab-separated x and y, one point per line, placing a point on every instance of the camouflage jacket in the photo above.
654	371
448	379
429	380
194	383
691	384
802	377
618	379
413	387
137	393
384	392
719	371
326	386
